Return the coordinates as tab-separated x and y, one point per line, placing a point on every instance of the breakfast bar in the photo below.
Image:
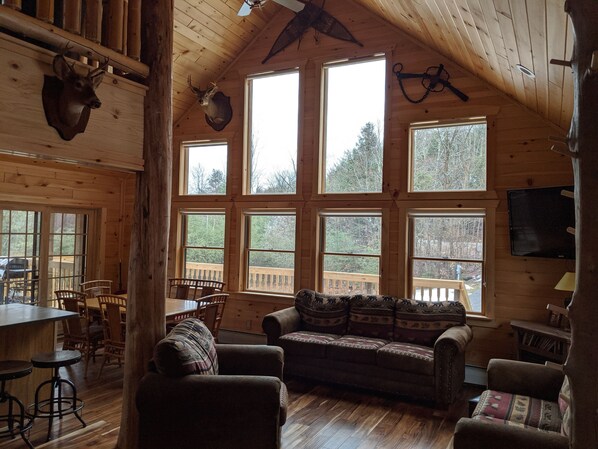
24	331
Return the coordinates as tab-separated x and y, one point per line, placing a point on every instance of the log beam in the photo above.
582	364
151	217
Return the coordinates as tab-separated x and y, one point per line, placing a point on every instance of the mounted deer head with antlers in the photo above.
69	96
216	105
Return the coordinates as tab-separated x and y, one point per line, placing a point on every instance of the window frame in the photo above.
184	168
445	123
322	135
246	215
247	129
486	283
349	213
183	214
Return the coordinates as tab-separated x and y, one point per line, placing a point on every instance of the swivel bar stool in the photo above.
13	369
58	404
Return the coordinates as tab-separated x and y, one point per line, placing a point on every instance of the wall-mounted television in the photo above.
538	222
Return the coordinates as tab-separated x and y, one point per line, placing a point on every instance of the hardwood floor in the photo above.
320	417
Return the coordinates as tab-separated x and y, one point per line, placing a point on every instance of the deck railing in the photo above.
282	280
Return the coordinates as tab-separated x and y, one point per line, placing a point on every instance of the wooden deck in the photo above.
320	417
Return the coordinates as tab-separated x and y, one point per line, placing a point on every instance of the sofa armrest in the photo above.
528	379
256	360
449	363
218	412
475	434
279	323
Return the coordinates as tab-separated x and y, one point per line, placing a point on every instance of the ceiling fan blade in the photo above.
293	5
245	10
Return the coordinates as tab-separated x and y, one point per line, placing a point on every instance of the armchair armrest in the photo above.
218	412
449	363
256	360
474	434
279	323
528	379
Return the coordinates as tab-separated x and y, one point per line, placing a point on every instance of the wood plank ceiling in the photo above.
487	37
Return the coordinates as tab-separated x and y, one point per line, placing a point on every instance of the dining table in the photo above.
174	306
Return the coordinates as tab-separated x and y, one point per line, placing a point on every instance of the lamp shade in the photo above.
567	282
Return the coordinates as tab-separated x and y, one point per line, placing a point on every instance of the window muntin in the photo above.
272	133
353	134
448	157
203	244
205	168
351	250
447	258
270	252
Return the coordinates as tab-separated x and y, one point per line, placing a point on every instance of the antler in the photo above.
101	68
195	90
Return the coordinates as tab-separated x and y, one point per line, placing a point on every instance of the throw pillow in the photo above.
322	313
188	349
564	402
372	316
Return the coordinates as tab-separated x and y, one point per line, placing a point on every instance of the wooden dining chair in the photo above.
211	309
182	288
175	319
113	312
209	287
80	333
96	287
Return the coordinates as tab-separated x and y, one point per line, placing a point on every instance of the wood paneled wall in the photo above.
519	157
43	182
114	134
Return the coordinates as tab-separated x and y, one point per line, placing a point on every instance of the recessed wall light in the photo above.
527	72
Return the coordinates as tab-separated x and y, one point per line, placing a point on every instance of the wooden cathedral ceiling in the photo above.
487	37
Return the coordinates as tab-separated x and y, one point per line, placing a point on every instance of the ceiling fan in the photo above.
248	5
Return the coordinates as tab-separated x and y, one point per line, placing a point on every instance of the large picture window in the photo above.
270	251
353	126
351	249
204	168
448	157
447	257
272	132
203	244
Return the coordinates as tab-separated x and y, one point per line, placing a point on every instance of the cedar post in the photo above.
44	10
582	364
72	16
133	29
151	217
93	20
14	4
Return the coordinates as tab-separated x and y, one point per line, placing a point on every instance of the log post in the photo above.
93	20
44	10
582	364
133	29
151	217
114	33
14	4
72	16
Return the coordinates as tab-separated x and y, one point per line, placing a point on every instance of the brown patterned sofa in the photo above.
401	346
525	405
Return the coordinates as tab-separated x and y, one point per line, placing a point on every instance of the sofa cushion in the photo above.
305	343
353	348
516	410
422	322
407	357
322	313
188	349
372	316
564	402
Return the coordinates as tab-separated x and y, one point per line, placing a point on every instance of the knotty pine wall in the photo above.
518	157
31	181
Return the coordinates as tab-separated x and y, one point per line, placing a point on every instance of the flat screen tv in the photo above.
538	222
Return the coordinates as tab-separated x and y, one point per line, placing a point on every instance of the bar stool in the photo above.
57	405
14	369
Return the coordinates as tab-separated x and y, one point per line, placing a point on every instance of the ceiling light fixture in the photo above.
527	72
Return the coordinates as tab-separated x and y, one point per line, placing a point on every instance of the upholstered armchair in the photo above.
243	405
525	406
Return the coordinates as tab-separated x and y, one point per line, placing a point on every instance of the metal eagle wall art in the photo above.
310	16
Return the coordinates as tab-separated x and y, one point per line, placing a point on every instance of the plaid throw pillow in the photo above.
372	316
322	313
187	349
422	322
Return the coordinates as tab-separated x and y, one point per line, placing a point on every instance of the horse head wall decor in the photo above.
216	106
69	97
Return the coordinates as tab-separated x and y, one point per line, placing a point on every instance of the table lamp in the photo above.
567	284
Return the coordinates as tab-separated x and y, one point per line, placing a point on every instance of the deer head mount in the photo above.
216	105
69	97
